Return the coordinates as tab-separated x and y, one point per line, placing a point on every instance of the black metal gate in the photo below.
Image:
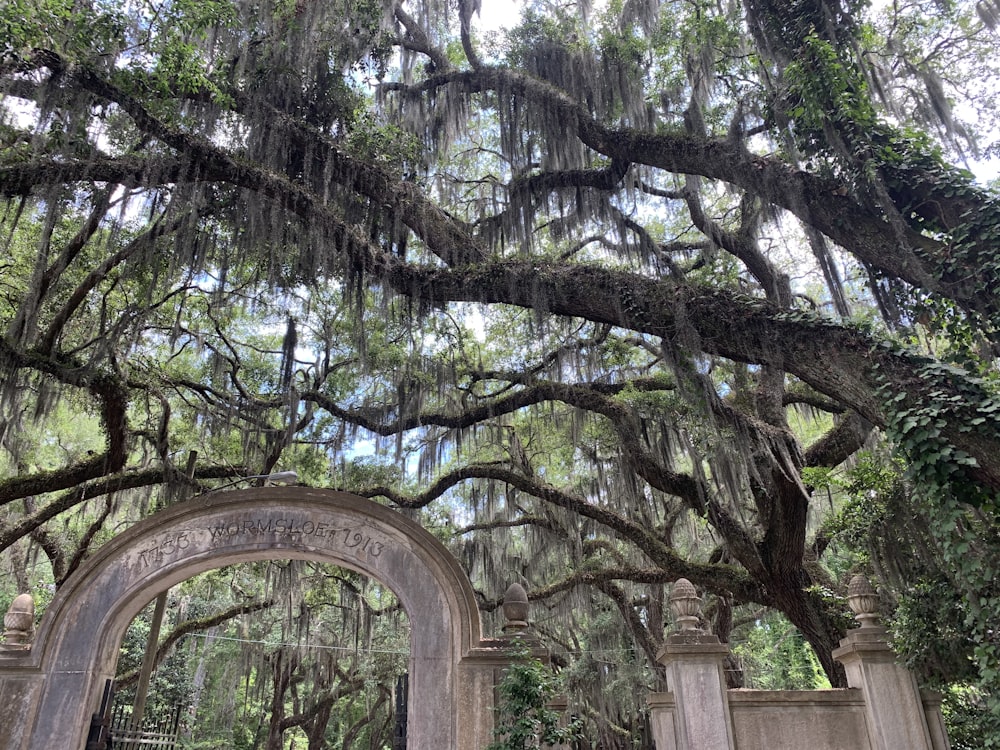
112	727
99	734
402	699
154	732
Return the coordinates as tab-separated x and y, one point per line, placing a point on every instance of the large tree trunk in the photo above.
807	613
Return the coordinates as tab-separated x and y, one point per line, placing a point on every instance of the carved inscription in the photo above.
168	547
347	537
333	534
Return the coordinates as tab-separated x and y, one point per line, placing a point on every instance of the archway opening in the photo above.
270	654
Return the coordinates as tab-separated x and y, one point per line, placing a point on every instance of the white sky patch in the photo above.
21	113
498	14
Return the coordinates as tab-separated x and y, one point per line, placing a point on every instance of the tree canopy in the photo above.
624	293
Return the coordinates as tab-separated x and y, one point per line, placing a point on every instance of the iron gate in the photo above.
402	696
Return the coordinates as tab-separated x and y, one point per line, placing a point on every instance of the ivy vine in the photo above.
961	513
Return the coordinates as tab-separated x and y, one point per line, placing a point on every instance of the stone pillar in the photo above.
19	624
476	683
20	680
662	710
516	630
483	666
893	703
693	660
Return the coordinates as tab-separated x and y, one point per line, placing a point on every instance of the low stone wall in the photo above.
813	719
794	720
883	709
779	719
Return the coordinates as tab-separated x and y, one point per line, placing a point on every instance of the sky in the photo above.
498	14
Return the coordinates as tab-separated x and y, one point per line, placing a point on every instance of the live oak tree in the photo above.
612	295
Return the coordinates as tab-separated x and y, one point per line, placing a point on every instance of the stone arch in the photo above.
76	646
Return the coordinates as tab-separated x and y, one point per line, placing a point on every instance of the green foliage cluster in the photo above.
170	687
934	557
915	171
27	26
384	143
773	656
916	428
824	90
523	719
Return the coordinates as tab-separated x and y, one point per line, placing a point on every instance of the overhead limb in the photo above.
441	232
416	40
817	201
112	397
76	298
845	363
34	300
711	577
644	538
536	521
87	490
534	392
648	641
844	439
192	626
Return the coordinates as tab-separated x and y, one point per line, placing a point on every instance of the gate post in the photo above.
20	681
694	715
893	705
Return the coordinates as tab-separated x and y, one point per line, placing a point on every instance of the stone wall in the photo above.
883	709
817	719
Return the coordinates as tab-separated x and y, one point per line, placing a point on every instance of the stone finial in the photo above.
863	601
686	606
19	624
515	608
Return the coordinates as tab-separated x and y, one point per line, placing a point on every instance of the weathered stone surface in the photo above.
935	721
661	719
883	709
693	667
18	700
895	710
787	719
77	642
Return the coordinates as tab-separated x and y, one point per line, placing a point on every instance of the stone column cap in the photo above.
868	643
870	634
19	624
693	638
681	645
